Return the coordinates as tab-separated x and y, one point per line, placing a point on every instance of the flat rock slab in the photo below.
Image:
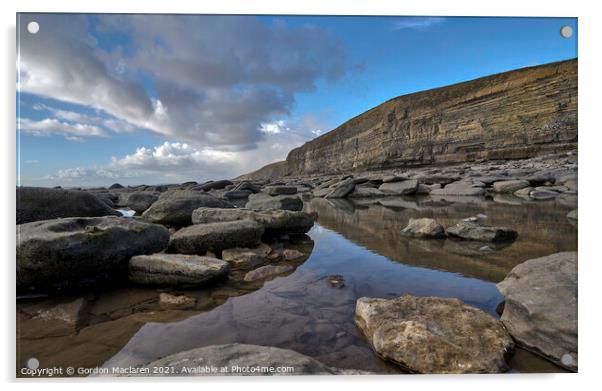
510	186
280	190
264	201
175	208
266	272
39	203
240	360
275	222
54	253
434	334
469	230
215	237
247	258
460	188
175	269
400	188
423	228
540	311
173	302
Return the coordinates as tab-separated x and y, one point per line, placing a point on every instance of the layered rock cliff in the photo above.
518	114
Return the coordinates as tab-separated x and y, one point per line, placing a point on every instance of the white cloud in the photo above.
52	126
416	23
214	79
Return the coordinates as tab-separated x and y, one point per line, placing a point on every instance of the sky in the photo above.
158	99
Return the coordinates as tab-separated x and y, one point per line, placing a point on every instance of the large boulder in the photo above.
470	230
64	252
175	207
510	186
40	203
365	192
342	189
214	185
215	237
434	334
280	190
141	200
175	269
459	188
407	187
263	201
275	222
239	360
424	228
540	310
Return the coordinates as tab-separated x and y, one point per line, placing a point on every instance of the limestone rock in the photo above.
424	228
434	335
473	231
540	311
175	269
459	188
170	302
175	207
263	201
342	189
39	203
53	253
280	190
266	272
400	188
141	200
214	185
366	192
247	258
275	222
215	237
509	186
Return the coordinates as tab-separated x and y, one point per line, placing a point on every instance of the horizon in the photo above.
114	98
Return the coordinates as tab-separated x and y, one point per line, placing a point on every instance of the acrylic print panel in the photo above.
295	195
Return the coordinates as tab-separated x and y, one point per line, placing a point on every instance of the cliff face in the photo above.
272	170
517	114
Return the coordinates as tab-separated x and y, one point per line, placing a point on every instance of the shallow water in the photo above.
360	241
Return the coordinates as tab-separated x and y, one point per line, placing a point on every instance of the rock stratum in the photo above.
513	115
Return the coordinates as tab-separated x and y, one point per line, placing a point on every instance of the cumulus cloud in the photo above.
205	80
416	23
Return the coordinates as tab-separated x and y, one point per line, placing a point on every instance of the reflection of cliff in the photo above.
518	114
543	229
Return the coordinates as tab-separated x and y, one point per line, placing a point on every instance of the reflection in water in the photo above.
304	313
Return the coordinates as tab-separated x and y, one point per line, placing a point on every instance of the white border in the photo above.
590	129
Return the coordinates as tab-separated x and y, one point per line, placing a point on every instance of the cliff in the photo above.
272	170
517	114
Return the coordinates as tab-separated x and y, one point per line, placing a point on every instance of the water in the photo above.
360	241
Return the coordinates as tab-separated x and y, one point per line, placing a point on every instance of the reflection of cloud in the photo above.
416	23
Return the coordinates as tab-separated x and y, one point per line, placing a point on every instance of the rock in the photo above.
434	335
524	192
393	178
263	201
175	270
275	222
291	255
342	189
434	179
215	237
573	214
336	281
175	207
400	188
509	186
266	272
568	181
540	178
237	194
115	186
543	194
472	231
365	192
424	228
70	313
460	188
454	124
280	190
172	302
214	185
141	200
239	360
541	306
56	253
247	258
246	185
40	203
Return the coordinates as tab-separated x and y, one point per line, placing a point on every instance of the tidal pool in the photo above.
359	241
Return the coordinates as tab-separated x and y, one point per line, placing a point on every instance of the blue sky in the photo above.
163	99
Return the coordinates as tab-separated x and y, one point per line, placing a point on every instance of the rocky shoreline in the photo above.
229	237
